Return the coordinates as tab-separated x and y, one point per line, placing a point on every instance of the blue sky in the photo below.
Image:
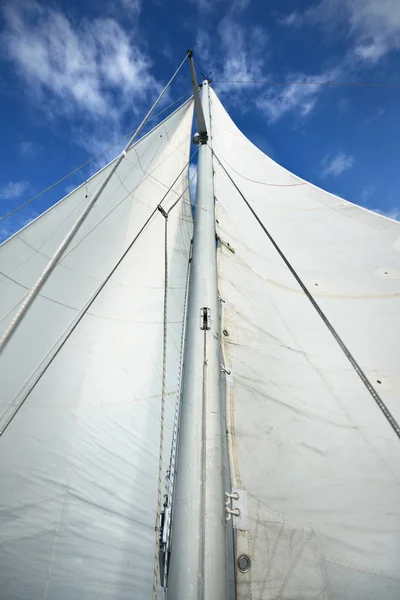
76	76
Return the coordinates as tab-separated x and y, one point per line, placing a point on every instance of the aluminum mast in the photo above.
198	560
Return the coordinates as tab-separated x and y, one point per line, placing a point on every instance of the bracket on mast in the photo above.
201	124
205	319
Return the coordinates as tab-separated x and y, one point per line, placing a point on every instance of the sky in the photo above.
75	76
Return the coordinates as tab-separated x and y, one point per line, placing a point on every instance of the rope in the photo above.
168	506
390	418
30	297
130	134
84	310
163	396
171	471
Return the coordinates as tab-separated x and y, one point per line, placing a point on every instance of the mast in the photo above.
198	560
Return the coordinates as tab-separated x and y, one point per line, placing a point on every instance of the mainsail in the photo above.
314	457
79	461
309	357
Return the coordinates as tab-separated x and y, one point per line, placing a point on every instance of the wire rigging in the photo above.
163	399
327	83
390	418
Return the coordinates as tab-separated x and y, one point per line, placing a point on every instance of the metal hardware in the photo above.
226	244
229	510
205	323
225	370
244	563
162	211
201	124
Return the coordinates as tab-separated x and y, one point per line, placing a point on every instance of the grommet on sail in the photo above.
200	399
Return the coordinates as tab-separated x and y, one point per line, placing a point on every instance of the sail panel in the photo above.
308	443
79	461
142	179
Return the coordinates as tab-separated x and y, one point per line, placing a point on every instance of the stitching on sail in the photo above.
356	567
360	372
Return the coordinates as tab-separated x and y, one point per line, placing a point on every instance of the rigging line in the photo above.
190	182
264	182
163	397
12	212
200	69
84	310
71	249
28	300
162	418
199	72
390	418
174	445
327	83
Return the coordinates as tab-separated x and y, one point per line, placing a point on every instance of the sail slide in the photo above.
313	437
79	459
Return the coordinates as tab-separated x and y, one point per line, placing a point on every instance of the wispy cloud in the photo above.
232	6
335	165
29	149
373	26
298	98
15	223
13	189
237	53
87	70
135	6
292	19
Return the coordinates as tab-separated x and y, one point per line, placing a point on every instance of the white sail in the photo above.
315	459
79	460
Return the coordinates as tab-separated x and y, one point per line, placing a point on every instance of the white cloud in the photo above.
13	189
293	19
337	164
135	6
374	25
91	70
237	53
372	51
298	98
242	51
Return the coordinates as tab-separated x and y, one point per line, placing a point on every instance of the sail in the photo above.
81	378
311	303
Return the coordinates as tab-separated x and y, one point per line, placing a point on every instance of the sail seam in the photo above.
32	294
390	418
66	334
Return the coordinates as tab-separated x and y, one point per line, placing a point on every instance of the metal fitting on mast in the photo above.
201	124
